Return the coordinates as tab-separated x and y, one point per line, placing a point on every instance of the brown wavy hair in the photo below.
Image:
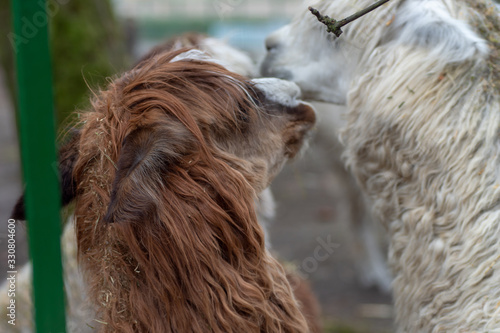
170	159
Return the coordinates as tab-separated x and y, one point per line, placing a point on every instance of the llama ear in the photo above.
146	156
68	154
428	24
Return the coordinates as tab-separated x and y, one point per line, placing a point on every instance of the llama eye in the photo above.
242	115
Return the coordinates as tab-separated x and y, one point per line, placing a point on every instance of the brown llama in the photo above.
165	170
81	316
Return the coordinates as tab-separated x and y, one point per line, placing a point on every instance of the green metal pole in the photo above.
38	152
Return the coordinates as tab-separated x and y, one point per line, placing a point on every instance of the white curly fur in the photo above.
423	142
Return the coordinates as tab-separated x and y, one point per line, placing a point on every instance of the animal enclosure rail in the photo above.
38	152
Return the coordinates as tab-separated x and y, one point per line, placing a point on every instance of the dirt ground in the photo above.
310	213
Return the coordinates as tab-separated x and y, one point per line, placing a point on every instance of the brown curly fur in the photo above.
170	160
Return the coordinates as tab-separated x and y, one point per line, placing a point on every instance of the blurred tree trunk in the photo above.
87	46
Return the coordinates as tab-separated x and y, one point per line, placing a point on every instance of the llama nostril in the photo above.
271	43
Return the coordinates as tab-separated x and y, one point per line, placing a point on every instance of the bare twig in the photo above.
335	26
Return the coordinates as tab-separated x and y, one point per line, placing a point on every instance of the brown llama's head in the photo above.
168	164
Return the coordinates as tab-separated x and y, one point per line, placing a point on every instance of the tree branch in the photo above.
335	26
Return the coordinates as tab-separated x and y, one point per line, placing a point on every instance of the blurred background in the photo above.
317	201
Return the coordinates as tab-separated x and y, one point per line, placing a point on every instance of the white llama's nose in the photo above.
271	42
276	39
